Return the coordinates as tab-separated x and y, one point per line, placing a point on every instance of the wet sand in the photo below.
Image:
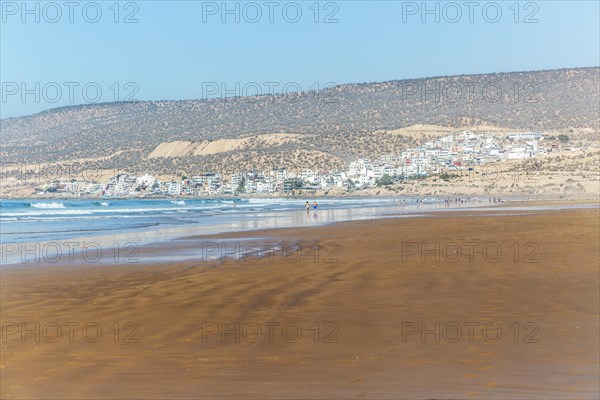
360	315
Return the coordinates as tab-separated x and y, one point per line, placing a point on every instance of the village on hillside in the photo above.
448	154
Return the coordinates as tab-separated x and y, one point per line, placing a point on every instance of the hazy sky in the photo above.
64	53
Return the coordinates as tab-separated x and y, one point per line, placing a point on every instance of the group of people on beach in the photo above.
448	201
315	206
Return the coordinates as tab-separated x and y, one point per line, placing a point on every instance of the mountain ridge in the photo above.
344	121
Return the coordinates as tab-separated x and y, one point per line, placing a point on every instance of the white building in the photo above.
174	188
145	180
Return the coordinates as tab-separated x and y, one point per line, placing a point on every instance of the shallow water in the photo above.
115	230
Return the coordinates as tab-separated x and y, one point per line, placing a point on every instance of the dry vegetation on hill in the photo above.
325	130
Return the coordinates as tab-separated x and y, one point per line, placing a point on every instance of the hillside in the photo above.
324	130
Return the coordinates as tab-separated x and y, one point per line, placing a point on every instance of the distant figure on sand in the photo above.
315	205
307	207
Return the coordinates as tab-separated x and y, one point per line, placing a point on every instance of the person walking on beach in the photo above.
315	205
307	207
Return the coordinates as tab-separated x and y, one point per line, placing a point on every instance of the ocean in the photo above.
41	220
110	222
39	227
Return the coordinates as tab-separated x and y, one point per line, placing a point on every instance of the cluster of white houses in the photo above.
447	153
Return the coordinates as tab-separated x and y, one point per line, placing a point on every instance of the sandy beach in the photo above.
455	305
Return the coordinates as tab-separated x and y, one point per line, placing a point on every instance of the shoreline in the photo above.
187	246
190	248
368	193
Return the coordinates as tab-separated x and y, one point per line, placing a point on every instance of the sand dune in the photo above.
206	147
419	130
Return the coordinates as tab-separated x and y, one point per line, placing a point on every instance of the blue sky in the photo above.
181	49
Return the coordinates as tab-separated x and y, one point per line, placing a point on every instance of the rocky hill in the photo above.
323	129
